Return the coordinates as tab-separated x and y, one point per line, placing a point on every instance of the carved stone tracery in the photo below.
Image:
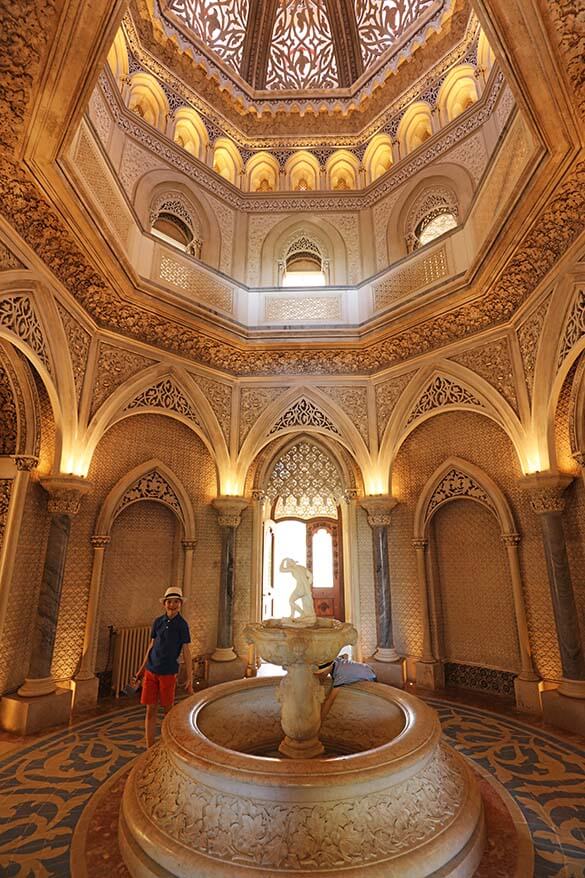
17	313
575	326
304	413
307	482
165	394
458	484
151	486
440	392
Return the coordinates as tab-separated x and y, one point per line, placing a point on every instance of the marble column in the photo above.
379	511
85	682
229	510
565	706
65	493
430	673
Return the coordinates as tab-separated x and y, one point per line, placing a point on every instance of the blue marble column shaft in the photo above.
225	624
43	640
383	598
563	598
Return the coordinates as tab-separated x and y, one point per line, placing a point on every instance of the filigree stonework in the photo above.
151	486
442	391
458	484
167	396
304	413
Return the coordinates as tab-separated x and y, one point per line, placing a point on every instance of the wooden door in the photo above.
323	535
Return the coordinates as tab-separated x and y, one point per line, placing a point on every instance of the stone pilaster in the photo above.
229	511
430	673
379	511
547	500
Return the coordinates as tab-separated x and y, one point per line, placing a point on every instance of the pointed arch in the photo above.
447	386
458	479
181	399
26	438
302	410
151	480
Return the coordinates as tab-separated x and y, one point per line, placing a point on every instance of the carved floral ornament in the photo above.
166	395
457	484
65	493
440	392
304	413
151	486
17	313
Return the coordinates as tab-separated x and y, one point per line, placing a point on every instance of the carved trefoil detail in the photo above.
165	394
150	486
458	484
441	392
304	413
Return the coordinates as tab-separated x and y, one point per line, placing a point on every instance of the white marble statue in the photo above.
301	599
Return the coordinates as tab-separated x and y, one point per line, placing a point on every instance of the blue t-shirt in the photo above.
169	635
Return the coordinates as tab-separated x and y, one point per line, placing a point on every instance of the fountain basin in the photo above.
396	801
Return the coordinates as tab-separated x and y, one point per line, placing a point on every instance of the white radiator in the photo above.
130	647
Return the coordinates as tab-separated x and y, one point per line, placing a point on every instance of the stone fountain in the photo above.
371	792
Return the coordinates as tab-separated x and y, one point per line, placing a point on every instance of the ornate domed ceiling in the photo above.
299	45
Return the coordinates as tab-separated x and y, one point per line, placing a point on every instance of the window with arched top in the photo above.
172	219
433	212
434	225
304	264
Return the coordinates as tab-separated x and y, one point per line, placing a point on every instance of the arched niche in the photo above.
262	173
155	184
174	215
227	161
146	98
302	172
458	92
378	157
342	170
328	240
190	132
416	126
443	178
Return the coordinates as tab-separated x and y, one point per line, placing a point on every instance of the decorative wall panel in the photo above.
225	218
202	286
494	363
8	415
219	396
418	274
8	260
304	413
79	341
253	402
18	314
114	367
302	308
575	326
387	395
100	115
136	162
529	333
440	392
354	402
301	51
165	394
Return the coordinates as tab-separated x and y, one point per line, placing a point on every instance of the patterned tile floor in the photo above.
45	786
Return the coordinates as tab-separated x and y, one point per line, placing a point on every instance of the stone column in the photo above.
565	706
229	510
39	703
430	673
579	457
527	683
188	549
351	567
11	509
85	682
379	510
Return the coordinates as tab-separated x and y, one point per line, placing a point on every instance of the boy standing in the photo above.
170	636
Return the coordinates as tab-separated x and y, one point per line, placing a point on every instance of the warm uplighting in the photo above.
75	464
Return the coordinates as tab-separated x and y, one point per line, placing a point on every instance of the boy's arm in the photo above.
188	668
140	670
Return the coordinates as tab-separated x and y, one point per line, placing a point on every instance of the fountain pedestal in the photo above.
300	648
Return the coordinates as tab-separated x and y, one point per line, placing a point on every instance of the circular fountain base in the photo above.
397	802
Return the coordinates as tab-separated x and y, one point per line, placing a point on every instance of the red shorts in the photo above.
158	689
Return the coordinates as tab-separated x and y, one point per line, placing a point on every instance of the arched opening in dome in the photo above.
433	225
304	265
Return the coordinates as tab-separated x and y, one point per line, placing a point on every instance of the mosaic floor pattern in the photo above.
45	787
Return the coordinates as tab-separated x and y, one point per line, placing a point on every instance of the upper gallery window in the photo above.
433	226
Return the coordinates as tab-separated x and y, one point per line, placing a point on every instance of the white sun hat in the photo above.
173	592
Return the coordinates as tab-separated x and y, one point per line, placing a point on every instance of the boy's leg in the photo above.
150	724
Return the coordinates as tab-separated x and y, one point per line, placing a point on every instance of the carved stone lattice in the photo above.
165	394
481	679
529	334
442	392
219	397
151	486
387	395
17	314
417	274
575	326
493	362
307	482
254	401
5	491
8	415
457	483
79	341
354	402
304	413
114	367
175	203
202	286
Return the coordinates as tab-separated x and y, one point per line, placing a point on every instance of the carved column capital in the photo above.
25	462
546	491
420	544
101	541
350	494
229	510
379	509
65	493
258	495
579	457
189	545
511	539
